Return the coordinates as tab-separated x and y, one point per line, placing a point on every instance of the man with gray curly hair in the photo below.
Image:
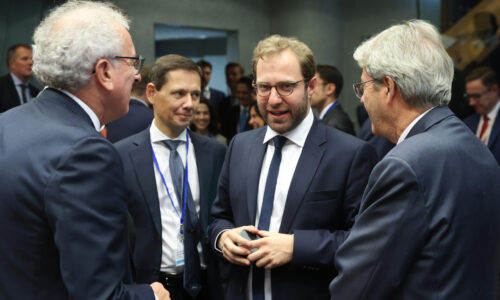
428	226
63	203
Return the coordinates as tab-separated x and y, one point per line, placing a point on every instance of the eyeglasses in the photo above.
137	64
359	87
283	88
476	96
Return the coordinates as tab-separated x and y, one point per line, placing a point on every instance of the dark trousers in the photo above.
175	286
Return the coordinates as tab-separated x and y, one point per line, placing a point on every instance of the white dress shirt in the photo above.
491	116
402	137
290	155
170	219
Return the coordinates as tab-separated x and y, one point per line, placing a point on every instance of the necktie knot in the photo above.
279	142
486	119
172	144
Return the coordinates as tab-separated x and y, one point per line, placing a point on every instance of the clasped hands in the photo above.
273	249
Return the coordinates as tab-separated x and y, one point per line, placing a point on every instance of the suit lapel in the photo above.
307	165
142	161
256	150
495	131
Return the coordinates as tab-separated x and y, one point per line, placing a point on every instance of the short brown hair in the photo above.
276	44
168	63
486	74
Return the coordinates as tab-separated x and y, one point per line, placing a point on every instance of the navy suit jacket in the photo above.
138	118
379	143
217	97
494	140
9	97
144	205
337	118
429	225
322	202
63	209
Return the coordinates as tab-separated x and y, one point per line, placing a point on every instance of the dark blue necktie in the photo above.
23	93
192	270
243	119
266	211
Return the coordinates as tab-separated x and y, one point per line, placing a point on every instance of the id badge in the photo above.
179	252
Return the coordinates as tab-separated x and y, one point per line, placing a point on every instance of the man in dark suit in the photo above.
139	114
483	94
216	96
428	226
325	99
14	86
63	206
235	118
301	205
170	220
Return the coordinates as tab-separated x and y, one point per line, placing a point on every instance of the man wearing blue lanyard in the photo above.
325	99
172	174
295	184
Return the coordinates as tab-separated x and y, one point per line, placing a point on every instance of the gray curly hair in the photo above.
70	40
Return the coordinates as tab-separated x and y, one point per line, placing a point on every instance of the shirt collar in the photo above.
493	113
407	130
325	110
86	108
16	79
298	135
157	136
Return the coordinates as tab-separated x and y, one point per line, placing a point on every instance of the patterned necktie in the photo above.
192	232
266	211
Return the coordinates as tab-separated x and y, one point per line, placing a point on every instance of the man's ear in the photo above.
150	92
311	86
389	85
103	73
330	88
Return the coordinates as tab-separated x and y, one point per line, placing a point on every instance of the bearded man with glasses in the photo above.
482	93
293	186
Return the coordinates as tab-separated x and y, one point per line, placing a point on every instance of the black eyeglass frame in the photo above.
476	96
278	87
359	87
138	61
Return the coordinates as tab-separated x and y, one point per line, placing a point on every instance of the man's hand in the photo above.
275	249
160	292
234	247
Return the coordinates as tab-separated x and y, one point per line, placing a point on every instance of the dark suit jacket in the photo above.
138	118
230	119
8	93
337	118
494	140
144	205
217	97
63	208
429	225
322	202
379	143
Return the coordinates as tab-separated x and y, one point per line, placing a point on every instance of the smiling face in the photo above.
201	118
283	113
255	120
176	101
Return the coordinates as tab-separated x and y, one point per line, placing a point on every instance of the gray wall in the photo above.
331	28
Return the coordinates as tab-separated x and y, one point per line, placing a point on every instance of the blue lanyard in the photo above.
330	108
185	181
